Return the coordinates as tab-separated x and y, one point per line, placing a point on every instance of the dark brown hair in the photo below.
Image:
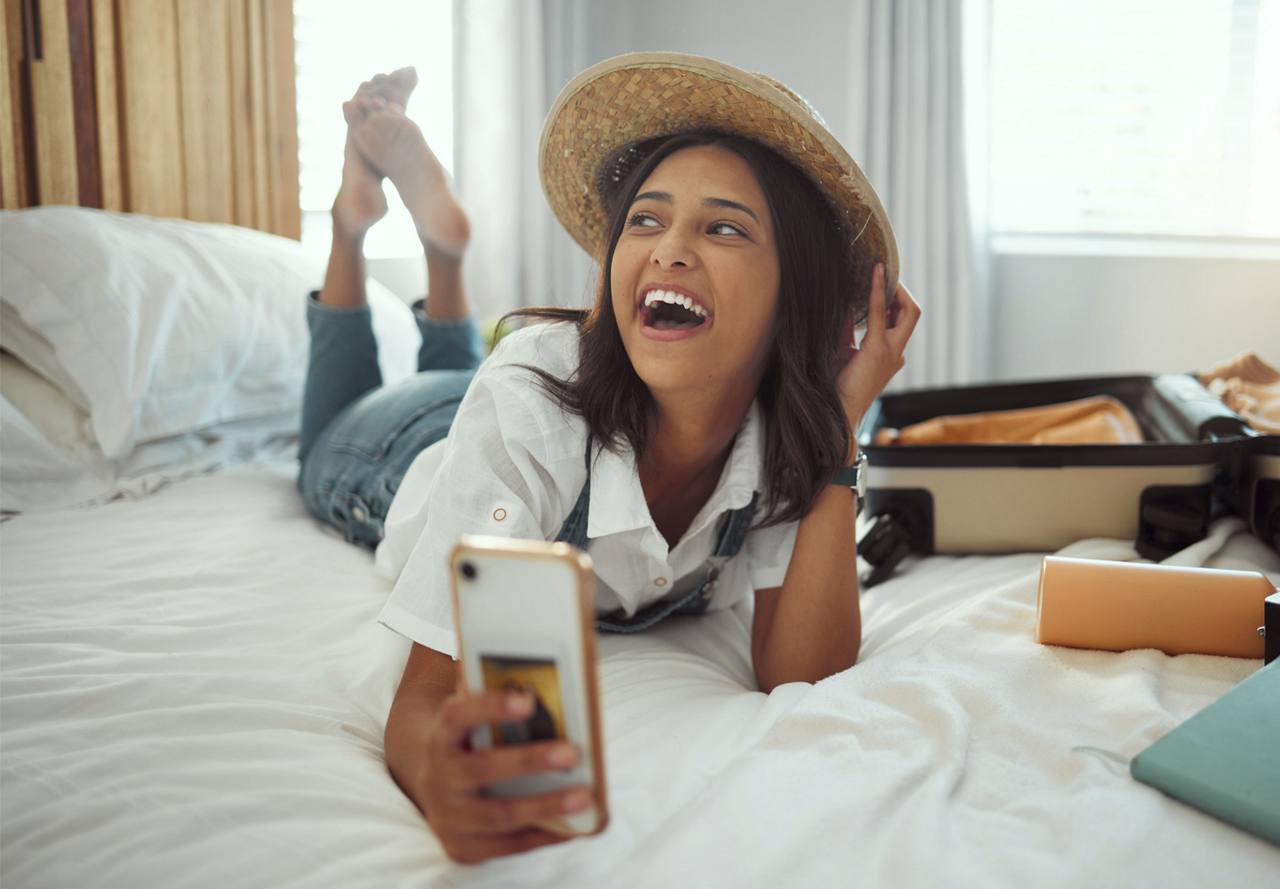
806	433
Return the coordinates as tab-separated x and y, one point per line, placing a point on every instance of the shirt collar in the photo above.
617	500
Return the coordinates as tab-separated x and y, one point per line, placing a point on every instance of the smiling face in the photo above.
700	232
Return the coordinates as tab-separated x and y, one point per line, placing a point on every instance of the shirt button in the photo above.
499	514
357	513
659	581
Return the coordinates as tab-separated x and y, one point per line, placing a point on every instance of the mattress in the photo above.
195	687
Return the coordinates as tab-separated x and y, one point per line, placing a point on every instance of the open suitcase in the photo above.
1195	462
1256	498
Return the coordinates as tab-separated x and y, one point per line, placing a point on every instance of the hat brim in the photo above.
638	96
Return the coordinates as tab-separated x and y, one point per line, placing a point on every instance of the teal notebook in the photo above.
1225	760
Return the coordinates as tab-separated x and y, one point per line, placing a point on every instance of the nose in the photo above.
672	250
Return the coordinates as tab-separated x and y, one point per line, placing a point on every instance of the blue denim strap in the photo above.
574	529
733	533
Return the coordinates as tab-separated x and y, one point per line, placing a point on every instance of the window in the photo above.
338	45
1136	117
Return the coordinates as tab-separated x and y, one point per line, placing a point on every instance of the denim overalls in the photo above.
359	437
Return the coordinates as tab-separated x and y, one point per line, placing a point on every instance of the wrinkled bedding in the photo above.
194	690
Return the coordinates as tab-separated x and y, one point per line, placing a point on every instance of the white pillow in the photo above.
158	327
55	416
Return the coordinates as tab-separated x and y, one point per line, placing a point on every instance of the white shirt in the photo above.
513	465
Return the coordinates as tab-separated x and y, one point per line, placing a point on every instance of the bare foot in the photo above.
393	145
360	201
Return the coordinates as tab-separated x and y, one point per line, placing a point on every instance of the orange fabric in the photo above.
1250	387
1099	419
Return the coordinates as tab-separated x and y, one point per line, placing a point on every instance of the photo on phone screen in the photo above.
538	677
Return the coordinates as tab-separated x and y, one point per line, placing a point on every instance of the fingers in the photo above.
474	826
875	312
474	849
492	815
481	768
462	712
908	313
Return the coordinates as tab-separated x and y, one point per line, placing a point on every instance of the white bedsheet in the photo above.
194	691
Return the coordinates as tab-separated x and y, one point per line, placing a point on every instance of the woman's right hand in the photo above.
449	786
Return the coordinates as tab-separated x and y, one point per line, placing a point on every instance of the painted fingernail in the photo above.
519	705
562	757
576	799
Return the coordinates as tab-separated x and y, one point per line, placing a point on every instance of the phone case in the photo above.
580	563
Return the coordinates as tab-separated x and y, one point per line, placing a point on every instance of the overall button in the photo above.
659	581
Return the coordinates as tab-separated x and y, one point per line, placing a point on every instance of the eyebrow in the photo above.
665	197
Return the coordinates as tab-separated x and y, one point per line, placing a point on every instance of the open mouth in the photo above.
666	310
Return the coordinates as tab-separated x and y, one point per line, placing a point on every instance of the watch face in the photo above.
862	474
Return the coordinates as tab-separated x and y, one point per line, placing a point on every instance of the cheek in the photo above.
623	268
617	285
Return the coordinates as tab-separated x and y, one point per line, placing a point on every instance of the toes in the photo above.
362	91
406	79
396	86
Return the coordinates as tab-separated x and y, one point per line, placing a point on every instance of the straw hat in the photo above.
589	134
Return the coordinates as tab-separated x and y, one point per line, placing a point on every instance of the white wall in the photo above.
1091	313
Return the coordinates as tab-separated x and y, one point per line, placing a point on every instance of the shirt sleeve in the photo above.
494	478
768	552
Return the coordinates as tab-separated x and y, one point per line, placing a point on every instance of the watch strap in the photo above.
853	477
848	476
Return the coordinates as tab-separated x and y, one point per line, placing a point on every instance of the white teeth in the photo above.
668	296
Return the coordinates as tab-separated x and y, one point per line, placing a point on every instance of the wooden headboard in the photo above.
177	108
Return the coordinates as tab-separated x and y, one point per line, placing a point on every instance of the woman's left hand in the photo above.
869	368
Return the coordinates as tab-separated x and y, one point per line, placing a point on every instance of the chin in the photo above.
662	375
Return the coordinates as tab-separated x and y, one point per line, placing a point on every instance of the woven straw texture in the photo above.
637	96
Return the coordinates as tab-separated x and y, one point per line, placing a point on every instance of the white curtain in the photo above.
916	127
512	57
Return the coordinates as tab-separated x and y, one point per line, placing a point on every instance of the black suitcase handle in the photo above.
1202	415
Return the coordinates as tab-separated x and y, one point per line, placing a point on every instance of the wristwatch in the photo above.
854	476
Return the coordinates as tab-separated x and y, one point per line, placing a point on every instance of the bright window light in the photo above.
1136	117
340	44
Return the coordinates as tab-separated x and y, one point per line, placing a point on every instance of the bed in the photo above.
194	689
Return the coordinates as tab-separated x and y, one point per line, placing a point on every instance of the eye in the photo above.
634	221
732	228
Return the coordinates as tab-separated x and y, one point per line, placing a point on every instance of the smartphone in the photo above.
524	613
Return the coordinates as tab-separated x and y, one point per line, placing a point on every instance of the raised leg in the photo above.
393	145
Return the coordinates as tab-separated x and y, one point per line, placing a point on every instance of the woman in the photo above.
694	429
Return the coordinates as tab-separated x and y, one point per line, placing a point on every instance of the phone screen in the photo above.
537	677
